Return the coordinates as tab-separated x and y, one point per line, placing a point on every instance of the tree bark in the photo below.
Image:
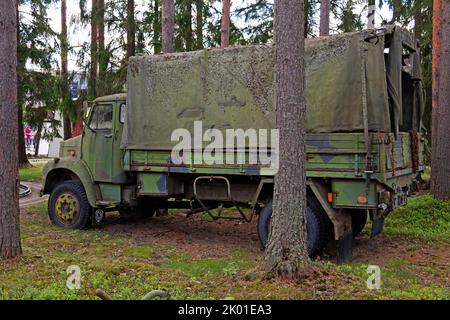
371	11
23	159
157	28
67	127
286	252
94	54
324	29
188	31
199	5
102	54
440	177
9	178
168	26
37	140
131	30
225	29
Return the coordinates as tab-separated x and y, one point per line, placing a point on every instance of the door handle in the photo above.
108	136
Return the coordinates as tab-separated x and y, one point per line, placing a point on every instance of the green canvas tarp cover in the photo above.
235	88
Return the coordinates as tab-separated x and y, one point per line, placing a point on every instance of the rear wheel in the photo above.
318	226
359	220
68	206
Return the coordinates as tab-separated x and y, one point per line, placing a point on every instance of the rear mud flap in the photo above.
377	223
344	249
342	222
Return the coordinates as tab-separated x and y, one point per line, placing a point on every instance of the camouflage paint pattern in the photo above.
103	166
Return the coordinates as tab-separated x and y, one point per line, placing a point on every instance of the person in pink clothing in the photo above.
28	136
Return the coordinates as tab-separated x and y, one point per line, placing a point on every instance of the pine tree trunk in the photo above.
23	159
286	252
9	200
102	55
440	166
324	18
67	126
157	28
225	30
168	26
94	54
199	6
131	30
37	140
188	31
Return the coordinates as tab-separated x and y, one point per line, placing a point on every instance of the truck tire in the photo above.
318	226
68	206
359	220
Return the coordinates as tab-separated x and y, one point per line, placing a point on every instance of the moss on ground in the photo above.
126	269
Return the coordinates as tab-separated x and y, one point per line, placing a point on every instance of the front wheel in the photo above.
68	206
318	226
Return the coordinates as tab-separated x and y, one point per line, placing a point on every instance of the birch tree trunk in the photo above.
9	179
286	252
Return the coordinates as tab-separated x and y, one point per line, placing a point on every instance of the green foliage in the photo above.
349	20
423	218
38	88
258	18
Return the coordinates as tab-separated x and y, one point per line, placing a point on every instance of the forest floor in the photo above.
196	258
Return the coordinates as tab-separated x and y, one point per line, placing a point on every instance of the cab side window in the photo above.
102	117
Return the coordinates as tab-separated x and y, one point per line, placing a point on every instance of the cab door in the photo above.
98	142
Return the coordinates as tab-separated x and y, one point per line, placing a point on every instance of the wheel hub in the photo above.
67	207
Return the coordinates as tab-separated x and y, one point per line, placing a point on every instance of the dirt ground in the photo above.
203	238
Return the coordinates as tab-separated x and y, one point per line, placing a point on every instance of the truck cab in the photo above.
92	163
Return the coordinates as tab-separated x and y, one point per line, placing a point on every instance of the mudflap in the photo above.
344	249
342	222
98	216
377	223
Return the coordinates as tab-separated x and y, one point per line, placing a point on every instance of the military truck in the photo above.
364	138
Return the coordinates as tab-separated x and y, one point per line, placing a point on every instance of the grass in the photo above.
423	218
126	268
32	173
